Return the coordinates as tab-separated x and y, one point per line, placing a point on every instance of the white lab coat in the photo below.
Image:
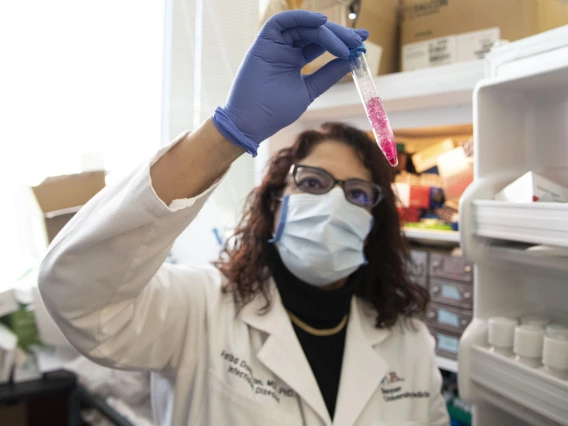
105	284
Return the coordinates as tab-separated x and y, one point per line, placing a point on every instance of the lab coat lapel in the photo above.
282	353
363	368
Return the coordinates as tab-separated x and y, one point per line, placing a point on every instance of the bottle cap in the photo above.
535	320
528	341
555	353
502	331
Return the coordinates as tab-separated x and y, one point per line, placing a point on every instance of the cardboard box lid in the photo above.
68	191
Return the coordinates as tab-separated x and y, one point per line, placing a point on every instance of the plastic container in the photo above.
501	335
555	357
374	109
528	344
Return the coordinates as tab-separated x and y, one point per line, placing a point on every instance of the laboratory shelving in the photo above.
520	125
423	98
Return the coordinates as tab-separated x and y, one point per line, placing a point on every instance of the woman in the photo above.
313	327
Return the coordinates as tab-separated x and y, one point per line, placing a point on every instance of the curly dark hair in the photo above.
384	282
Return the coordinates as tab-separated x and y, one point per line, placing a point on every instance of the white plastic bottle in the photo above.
555	357
502	334
528	344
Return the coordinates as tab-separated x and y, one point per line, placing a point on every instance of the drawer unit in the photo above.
454	293
447	343
444	265
448	319
419	263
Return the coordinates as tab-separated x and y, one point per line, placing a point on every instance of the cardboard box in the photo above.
428	157
531	187
379	17
439	32
60	197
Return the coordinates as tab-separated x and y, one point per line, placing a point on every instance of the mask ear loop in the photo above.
282	221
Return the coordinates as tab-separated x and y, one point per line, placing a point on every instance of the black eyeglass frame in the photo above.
341	183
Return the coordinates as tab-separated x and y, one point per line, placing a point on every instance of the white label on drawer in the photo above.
448	318
450	292
448	343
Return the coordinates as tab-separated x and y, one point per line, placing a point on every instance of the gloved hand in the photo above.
269	92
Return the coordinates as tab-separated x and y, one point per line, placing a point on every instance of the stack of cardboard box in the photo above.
427	33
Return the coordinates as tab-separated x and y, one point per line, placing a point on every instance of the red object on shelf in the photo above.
412	195
409	214
419	197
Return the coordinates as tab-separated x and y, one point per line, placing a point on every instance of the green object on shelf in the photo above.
458	414
420	225
399	147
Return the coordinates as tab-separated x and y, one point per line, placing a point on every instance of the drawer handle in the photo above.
431	315
467	268
435	264
435	289
467	295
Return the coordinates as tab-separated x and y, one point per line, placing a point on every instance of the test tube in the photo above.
373	105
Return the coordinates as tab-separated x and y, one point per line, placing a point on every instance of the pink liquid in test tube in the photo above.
373	106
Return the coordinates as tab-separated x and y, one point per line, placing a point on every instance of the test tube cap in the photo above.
529	340
555	353
502	331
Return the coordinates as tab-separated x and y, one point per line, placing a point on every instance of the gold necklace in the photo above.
318	332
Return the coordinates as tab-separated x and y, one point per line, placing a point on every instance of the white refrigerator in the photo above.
520	116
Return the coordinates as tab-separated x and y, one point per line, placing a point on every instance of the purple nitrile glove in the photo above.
269	91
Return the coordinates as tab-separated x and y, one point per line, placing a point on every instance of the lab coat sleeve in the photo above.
438	415
104	282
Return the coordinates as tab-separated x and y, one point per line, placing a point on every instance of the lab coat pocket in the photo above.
226	406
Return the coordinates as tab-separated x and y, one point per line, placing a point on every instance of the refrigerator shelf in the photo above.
516	253
528	387
537	223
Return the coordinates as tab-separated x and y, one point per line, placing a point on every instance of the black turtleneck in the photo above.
321	309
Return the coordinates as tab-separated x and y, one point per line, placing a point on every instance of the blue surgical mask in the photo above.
321	238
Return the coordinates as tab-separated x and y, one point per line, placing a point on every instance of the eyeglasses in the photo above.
314	180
